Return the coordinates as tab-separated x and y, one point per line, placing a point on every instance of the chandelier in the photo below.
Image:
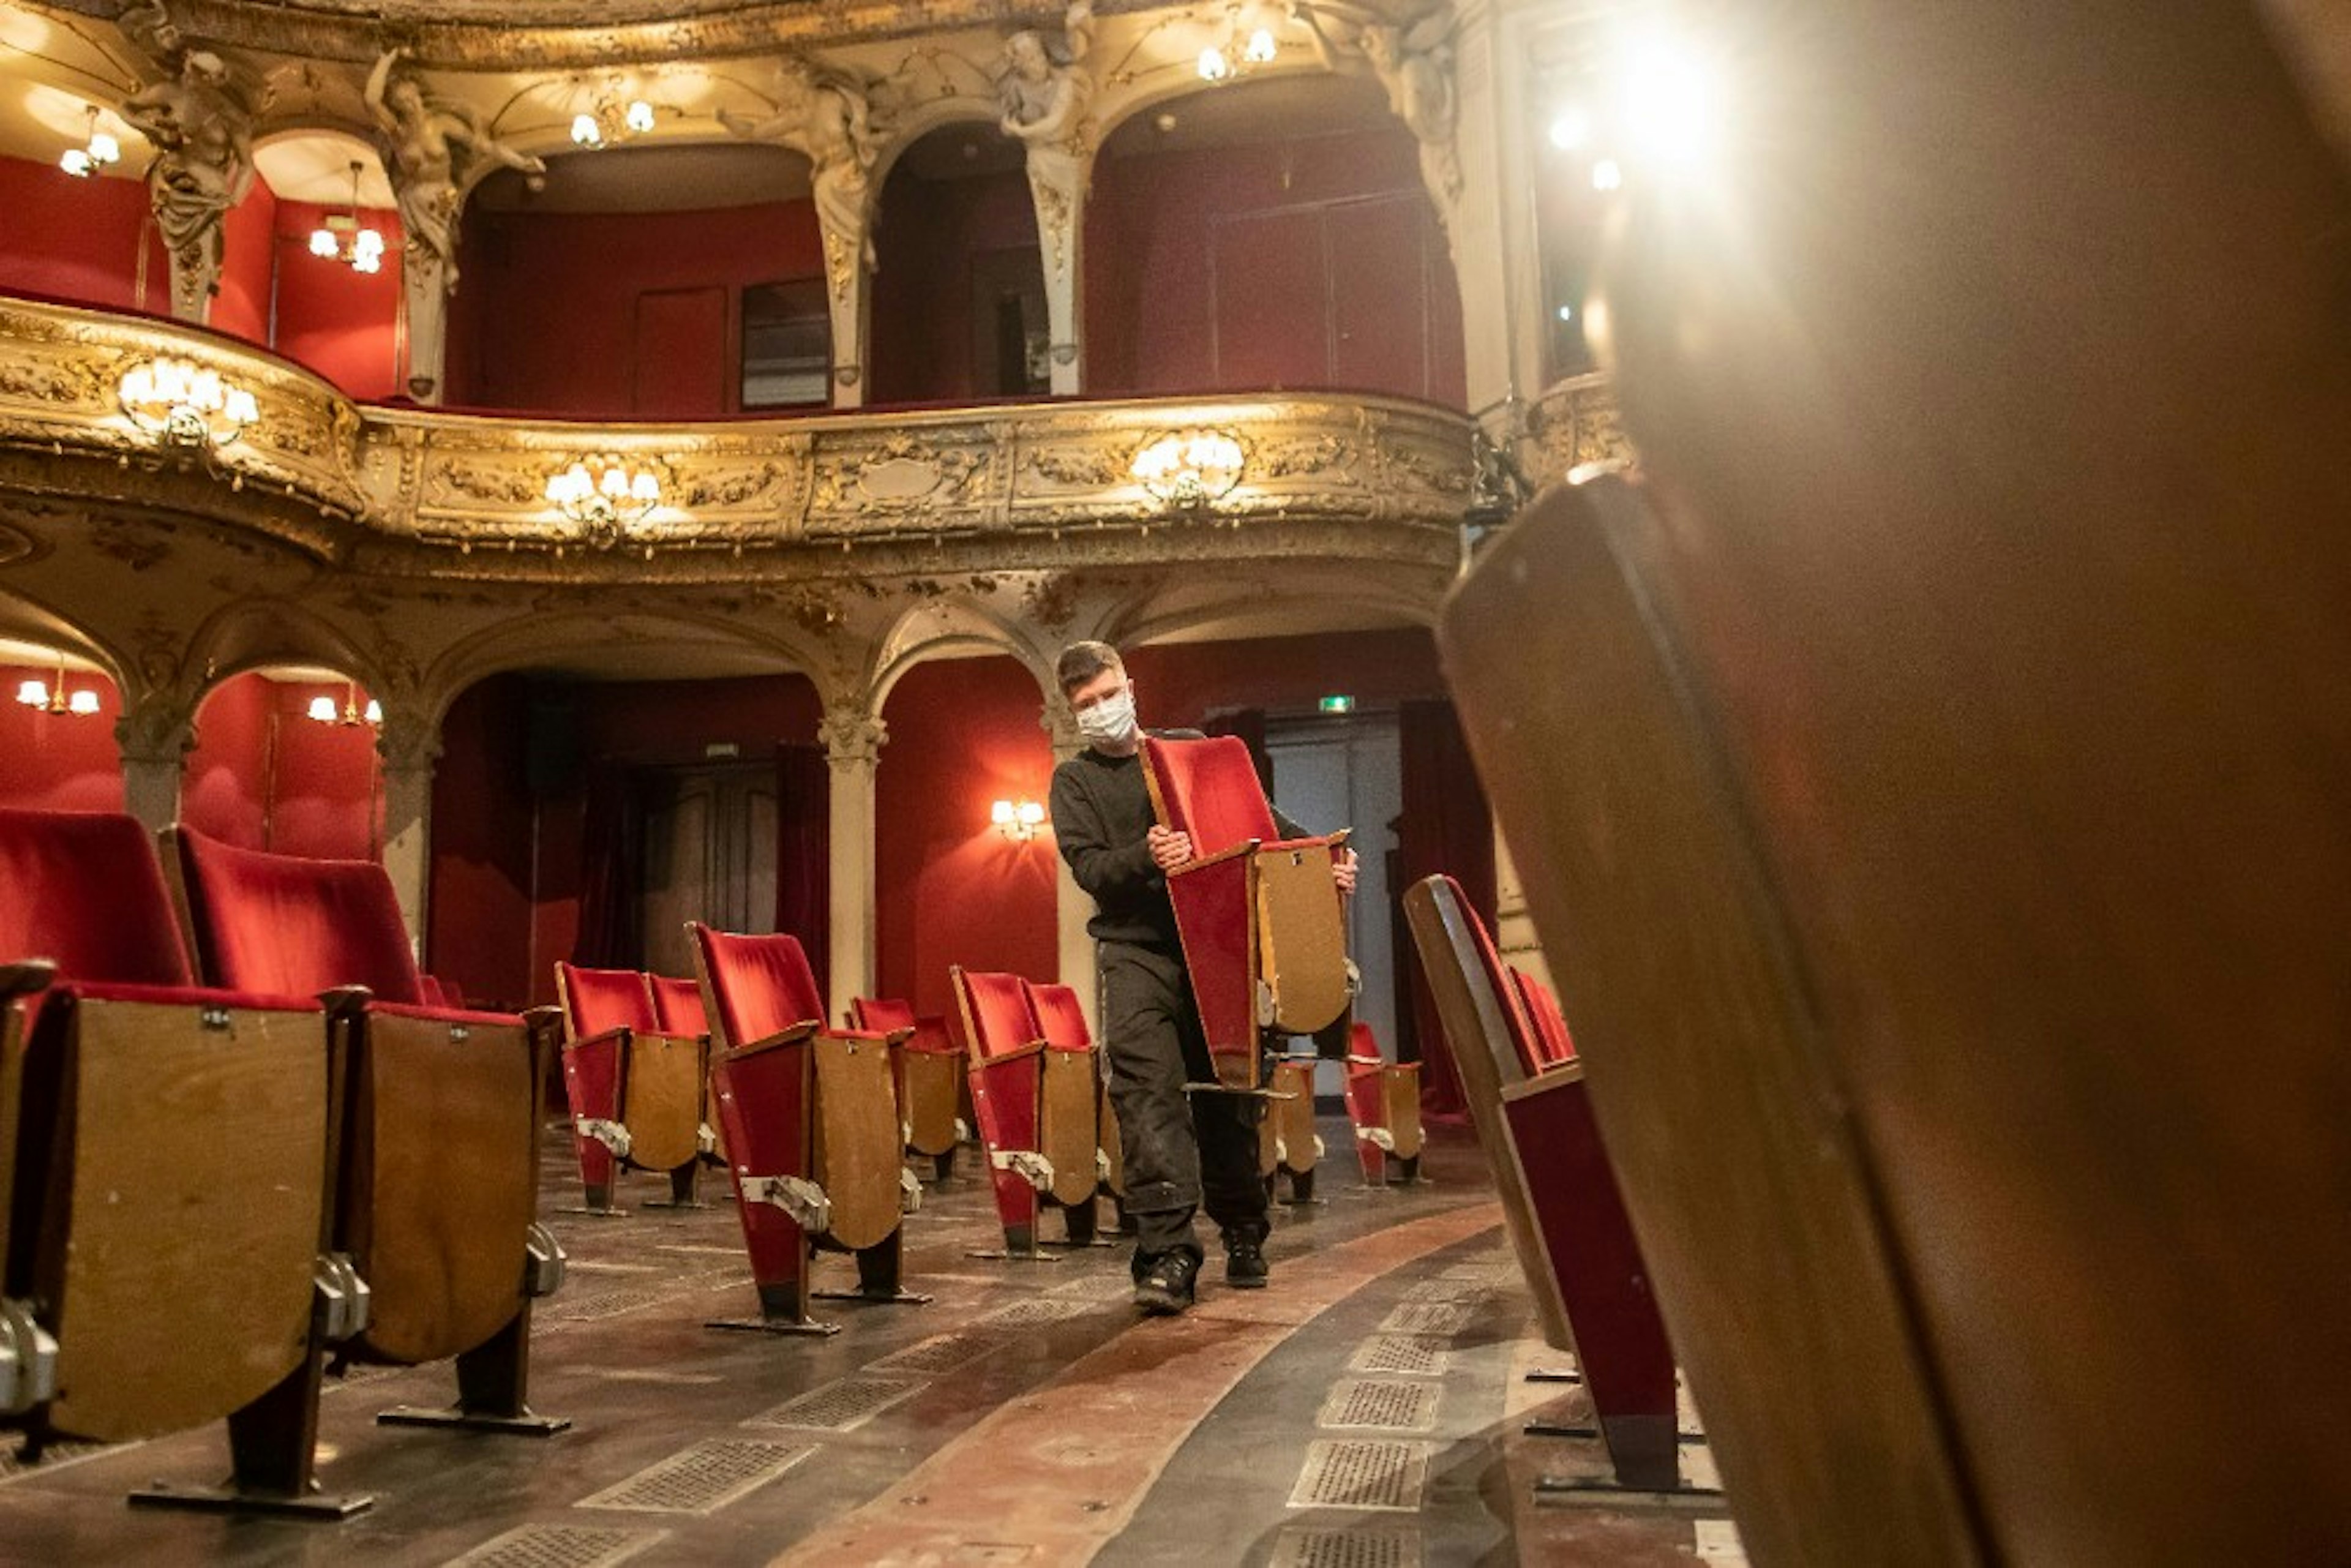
1188	469
38	695
340	237
605	493
611	121
181	404
1239	49
323	709
97	151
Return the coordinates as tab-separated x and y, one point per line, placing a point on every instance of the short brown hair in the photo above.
1082	661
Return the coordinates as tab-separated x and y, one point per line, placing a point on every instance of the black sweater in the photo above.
1102	813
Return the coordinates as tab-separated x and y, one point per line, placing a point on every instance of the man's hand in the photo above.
1342	871
1169	849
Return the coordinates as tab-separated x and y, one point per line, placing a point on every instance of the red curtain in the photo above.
804	852
611	871
1446	827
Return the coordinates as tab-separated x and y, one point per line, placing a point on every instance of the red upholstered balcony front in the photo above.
1263	928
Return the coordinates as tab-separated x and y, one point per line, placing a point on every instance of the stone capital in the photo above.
852	737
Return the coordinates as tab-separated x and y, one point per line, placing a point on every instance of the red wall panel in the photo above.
483	831
951	889
224	786
78	239
342	324
922	317
546	319
265	775
63	761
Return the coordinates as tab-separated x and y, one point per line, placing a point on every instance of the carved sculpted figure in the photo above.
825	115
437	151
1044	93
1414	62
202	132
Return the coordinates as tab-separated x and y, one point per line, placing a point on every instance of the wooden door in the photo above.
710	855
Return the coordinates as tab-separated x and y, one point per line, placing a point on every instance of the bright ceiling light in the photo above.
1571	129
1607	176
1672	101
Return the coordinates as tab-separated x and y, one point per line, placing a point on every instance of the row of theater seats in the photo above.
273	1154
1560	1202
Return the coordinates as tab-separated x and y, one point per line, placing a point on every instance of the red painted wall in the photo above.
1316	262
952	890
265	775
546	317
921	321
341	323
484	833
58	762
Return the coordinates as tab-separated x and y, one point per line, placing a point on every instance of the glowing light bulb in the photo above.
1262	49
322	244
1214	66
1570	130
104	149
639	116
374	713
76	160
83	702
1607	176
322	708
36	693
585	131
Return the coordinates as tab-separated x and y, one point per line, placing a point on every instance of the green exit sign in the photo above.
1338	705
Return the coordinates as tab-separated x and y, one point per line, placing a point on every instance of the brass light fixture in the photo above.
99	150
182	403
1016	820
1189	469
47	698
606	493
342	236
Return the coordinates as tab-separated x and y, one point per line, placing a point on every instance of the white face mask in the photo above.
1110	722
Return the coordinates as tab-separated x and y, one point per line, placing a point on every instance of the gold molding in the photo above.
1575	424
417	493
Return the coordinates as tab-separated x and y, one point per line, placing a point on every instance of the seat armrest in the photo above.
619	1031
789	1034
22	979
1247	846
1015	1054
345	1001
895	1037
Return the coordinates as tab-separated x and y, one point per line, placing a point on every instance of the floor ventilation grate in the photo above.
1383	1405
940	1353
597	1304
839	1407
1410	1354
1471	1292
1302	1546
1444	1318
56	1457
702	1478
1096	1288
1031	1312
1362	1473
1480	1274
557	1546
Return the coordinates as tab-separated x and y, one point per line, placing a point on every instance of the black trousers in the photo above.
1183	1152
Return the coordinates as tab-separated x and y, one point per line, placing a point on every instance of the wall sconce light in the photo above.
611	122
1016	820
97	151
340	237
1189	468
323	709
183	404
605	493
47	698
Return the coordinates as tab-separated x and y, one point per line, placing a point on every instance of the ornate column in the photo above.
409	745
852	748
847	266
1046	91
1492	224
1061	235
1071	906
155	735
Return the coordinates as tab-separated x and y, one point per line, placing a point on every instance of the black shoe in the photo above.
1245	1265
1166	1288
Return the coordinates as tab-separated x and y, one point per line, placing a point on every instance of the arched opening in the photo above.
585	805
334	302
56	730
959	299
286	760
659	282
1269	234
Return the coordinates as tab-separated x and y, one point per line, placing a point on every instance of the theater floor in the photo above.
1368	1410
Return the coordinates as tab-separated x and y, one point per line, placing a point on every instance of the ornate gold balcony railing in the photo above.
430	492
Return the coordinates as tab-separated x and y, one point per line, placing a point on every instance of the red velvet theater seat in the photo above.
439	1182
928	1065
221	1101
636	1090
1036	1106
1263	928
1553	1044
1565	1216
677	1006
809	1119
1063	1020
1384	1107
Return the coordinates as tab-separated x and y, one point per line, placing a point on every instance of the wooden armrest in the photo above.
24	978
1313	841
619	1031
790	1034
895	1037
1373	1061
346	1001
1016	1053
1549	1078
1246	847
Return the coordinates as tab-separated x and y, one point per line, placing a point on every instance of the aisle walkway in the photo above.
1365	1410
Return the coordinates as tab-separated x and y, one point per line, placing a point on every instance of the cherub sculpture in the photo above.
826	115
1414	62
435	152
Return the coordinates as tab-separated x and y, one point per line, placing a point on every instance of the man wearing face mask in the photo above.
1183	1152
